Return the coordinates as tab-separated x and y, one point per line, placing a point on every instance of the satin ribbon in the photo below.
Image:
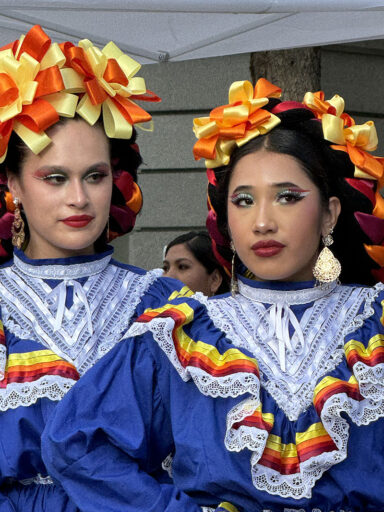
59	295
106	77
340	129
280	317
335	106
235	124
31	90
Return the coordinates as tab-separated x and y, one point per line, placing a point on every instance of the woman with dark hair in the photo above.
68	187
189	258
271	397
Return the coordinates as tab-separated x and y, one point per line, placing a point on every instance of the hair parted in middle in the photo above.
328	146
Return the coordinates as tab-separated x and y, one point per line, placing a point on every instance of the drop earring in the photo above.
17	229
327	267
234	283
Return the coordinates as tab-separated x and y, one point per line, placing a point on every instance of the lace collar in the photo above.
282	292
62	268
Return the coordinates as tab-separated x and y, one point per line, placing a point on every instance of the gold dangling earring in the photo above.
327	267
17	229
234	284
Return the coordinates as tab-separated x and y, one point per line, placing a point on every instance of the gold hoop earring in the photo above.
17	229
327	267
234	283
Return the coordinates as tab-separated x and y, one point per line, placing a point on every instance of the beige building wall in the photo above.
173	184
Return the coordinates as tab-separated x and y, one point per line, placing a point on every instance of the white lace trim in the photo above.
305	510
18	394
291	297
285	509
64	271
227	386
109	300
324	325
299	485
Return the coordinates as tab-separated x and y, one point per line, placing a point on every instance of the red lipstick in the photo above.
267	248
78	221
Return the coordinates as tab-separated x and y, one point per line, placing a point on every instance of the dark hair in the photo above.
300	135
200	245
125	160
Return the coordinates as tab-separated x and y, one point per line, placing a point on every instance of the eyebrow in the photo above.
58	168
284	184
178	260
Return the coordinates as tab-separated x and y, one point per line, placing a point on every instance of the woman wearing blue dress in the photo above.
271	397
71	187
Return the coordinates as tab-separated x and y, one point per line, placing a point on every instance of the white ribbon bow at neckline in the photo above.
280	316
59	293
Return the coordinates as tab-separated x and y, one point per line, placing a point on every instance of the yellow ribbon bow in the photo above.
340	129
235	124
31	90
106	77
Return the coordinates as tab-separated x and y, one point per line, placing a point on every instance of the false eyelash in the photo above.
242	195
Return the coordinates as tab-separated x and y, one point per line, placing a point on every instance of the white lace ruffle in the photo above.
110	298
18	394
325	326
299	485
236	439
232	385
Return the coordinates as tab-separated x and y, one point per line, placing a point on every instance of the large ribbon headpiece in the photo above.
356	140
41	81
32	93
106	80
235	124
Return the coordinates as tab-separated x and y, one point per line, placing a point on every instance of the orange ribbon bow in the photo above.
31	85
236	123
106	77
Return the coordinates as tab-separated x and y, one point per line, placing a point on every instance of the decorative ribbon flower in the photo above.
31	90
106	77
235	124
356	140
340	128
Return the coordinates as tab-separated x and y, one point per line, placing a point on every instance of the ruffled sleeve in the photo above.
161	291
110	434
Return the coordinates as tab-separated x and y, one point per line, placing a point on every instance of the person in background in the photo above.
271	397
190	259
68	186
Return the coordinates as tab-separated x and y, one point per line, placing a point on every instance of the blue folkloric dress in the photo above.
59	317
271	401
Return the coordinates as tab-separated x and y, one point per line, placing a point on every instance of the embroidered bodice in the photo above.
296	332
76	307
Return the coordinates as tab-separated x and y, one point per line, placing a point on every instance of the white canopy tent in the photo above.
174	30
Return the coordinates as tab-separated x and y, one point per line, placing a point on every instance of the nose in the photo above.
264	221
77	194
